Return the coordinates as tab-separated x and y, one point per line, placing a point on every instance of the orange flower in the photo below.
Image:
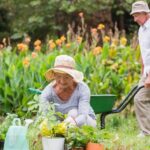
37	48
101	26
22	47
106	39
34	54
26	62
52	45
79	39
97	50
68	45
81	14
37	43
58	42
62	38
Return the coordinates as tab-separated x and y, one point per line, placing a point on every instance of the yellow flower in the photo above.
97	50
61	128
44	130
22	47
26	62
112	52
79	39
34	54
58	42
106	39
37	43
62	38
123	41
101	26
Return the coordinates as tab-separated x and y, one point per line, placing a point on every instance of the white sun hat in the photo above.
140	6
64	64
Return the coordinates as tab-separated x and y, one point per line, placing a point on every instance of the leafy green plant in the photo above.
5	125
80	136
33	106
49	122
75	137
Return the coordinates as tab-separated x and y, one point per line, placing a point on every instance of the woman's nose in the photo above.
62	80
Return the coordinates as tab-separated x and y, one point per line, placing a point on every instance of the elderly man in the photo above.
141	14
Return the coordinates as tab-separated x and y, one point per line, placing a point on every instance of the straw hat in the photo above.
140	6
64	64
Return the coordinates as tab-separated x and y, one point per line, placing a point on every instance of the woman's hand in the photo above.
70	121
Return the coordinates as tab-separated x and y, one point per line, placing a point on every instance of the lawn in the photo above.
126	131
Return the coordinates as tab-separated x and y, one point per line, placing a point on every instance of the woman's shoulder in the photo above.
83	86
48	88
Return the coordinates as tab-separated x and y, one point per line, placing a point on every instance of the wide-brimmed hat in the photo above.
64	64
139	6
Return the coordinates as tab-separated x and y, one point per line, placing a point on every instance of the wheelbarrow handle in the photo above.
127	99
121	106
34	91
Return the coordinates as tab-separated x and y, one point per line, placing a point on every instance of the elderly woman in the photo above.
69	91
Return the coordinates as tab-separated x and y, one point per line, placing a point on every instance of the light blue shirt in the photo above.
144	41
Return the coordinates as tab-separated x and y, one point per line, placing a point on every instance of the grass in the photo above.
126	130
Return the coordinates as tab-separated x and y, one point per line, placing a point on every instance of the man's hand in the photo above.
147	82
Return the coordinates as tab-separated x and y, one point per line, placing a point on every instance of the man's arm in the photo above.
147	81
142	66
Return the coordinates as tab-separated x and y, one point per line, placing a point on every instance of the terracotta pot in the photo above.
94	146
78	148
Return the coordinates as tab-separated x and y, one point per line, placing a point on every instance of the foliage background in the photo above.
42	18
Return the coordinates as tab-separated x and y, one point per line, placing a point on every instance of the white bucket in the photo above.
53	143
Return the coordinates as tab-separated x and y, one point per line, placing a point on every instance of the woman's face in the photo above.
64	80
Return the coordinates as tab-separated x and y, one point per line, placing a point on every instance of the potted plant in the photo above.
95	138
4	128
52	130
85	138
76	138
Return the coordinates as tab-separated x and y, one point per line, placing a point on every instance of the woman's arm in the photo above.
84	104
45	98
